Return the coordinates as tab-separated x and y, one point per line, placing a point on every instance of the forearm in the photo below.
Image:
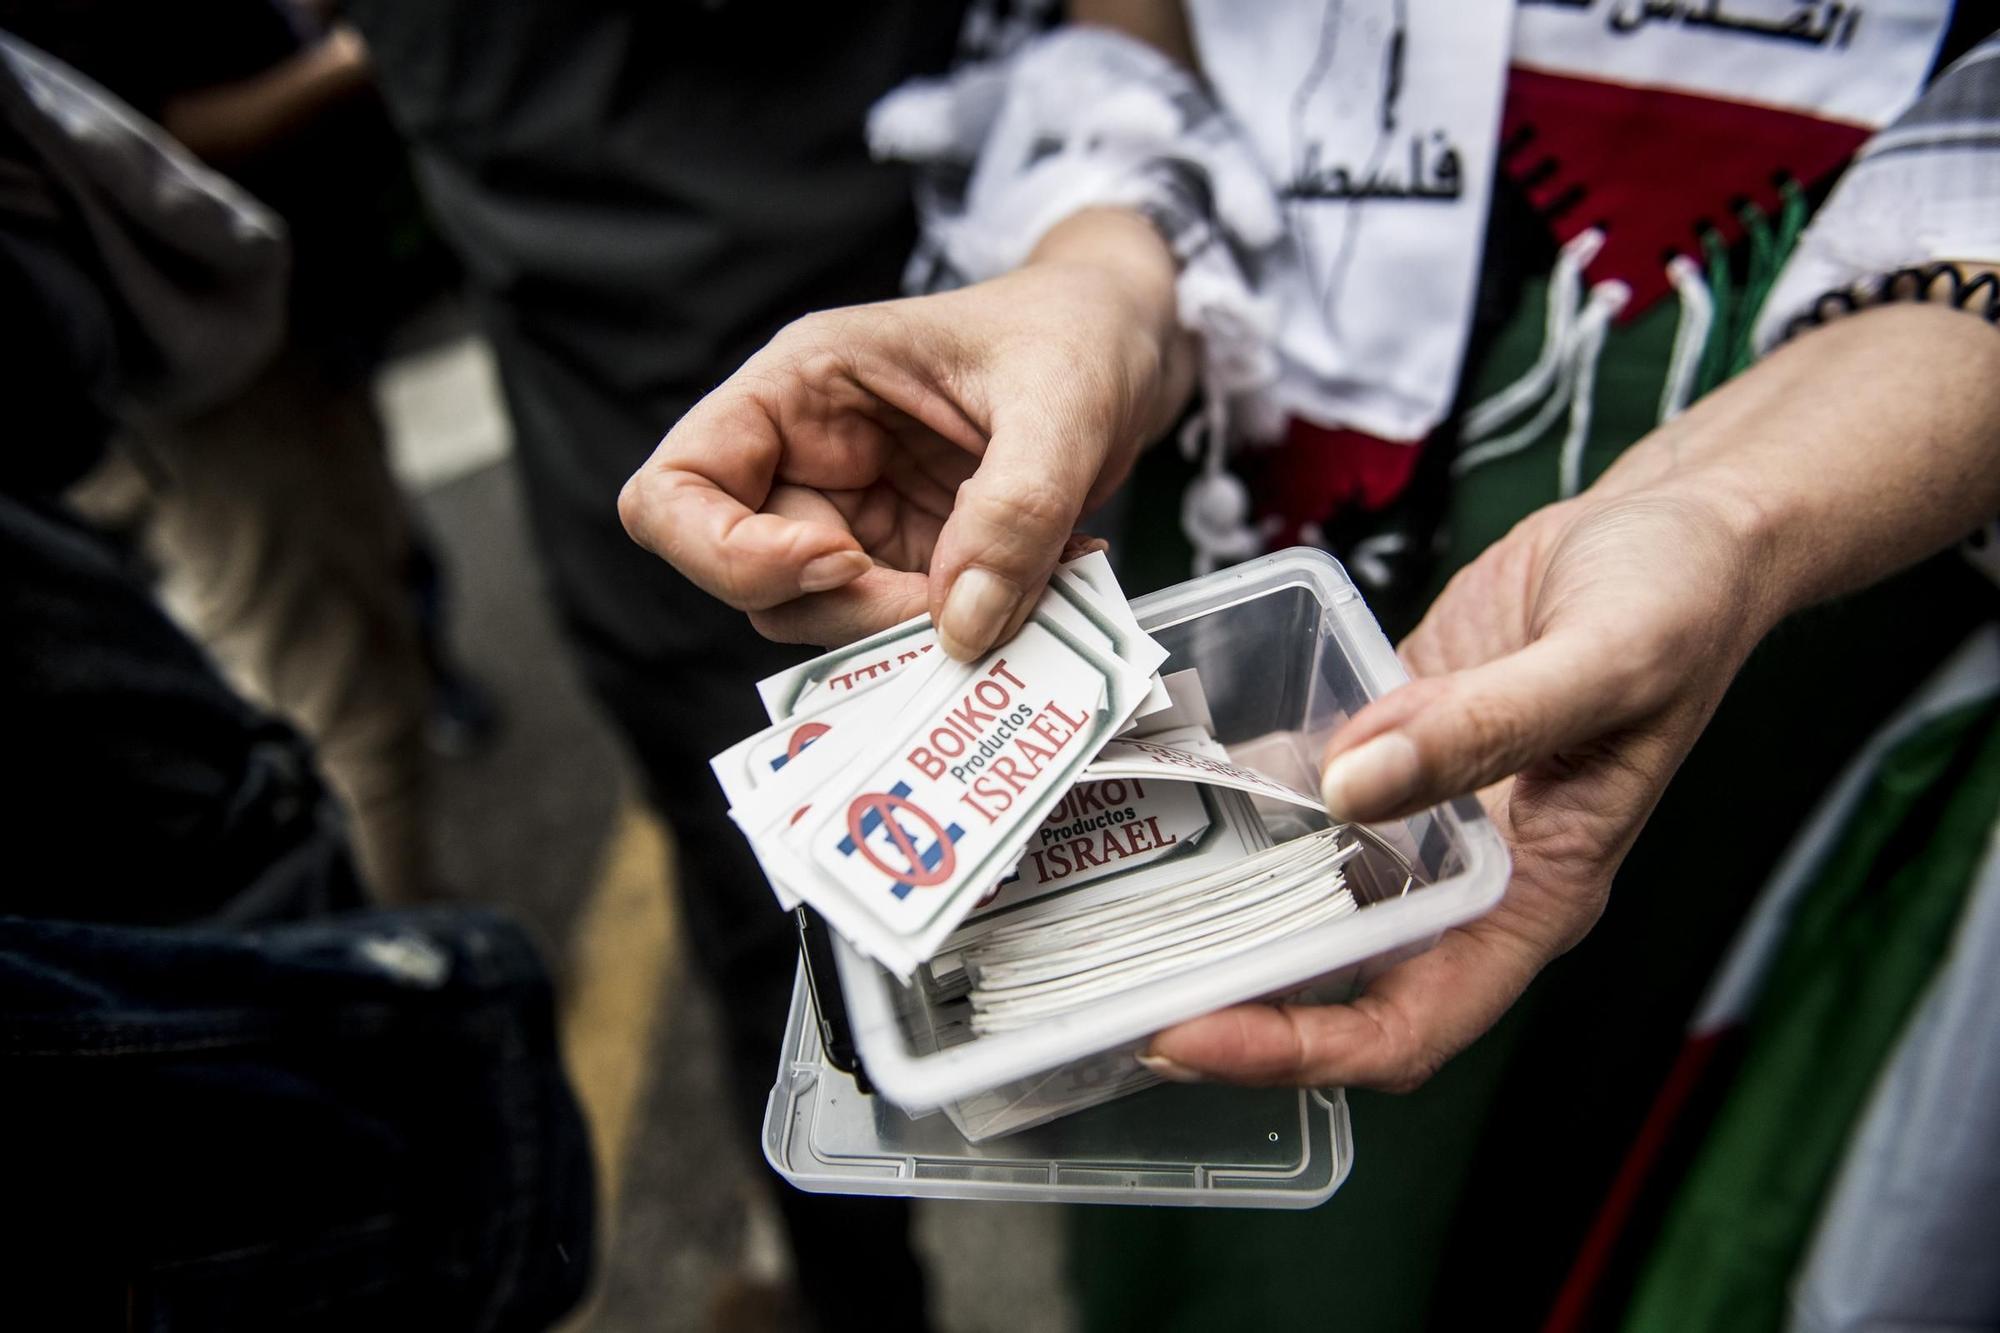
233	121
1852	452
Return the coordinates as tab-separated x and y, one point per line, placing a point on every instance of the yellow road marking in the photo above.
625	965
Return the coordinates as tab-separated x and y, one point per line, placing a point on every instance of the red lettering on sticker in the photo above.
1034	754
1047	729
1076	723
1010	772
971	717
1003	800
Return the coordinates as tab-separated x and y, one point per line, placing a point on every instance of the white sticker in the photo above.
859	667
1186	709
1099	829
1150	759
899	785
846	672
910	829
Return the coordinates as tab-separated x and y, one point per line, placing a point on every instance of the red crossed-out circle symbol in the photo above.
805	736
885	806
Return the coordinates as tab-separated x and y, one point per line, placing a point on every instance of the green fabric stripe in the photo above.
1715	353
1761	274
1868	937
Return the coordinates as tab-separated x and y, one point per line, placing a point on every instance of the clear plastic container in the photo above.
1287	651
1220	1146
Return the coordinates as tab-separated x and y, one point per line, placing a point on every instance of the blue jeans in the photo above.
355	1122
231	1096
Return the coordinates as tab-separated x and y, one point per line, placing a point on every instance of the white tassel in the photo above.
1565	294
1606	300
1369	560
1690	335
1215	511
1564	376
1528	432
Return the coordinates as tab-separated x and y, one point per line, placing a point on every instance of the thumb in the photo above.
1447	736
1394	1036
1008	526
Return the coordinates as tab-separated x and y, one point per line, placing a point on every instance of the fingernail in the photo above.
1370	779
975	611
827	572
1171	1070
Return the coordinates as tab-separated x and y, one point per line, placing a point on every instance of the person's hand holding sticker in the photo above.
931	454
1563	676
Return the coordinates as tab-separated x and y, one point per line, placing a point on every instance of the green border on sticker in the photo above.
874	642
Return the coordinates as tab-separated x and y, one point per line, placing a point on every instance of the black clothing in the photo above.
640	196
234	1099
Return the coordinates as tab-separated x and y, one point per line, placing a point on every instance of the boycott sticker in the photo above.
846	672
1099	829
984	757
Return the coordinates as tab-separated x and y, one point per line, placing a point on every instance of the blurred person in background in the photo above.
1638	360
639	195
237	1098
280	536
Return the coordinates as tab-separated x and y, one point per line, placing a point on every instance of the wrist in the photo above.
1122	250
1755	531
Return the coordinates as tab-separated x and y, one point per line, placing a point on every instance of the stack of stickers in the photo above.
1029	971
1030	832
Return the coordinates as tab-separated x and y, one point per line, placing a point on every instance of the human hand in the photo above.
930	454
1566	673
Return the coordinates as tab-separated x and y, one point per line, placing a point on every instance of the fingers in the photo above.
878	599
1007	529
1450	735
1411	1020
1081	544
695	504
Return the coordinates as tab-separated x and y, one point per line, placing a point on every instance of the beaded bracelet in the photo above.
1942	283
